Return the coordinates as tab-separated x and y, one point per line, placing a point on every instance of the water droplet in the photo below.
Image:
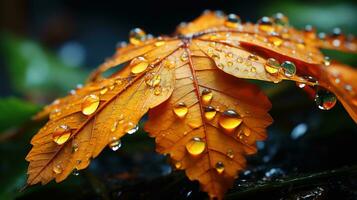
180	110
281	19
178	165
229	120
139	65
348	88
57	169
288	68
169	64
115	144
90	104
114	127
300	85
75	147
219	167
232	21
210	112
157	90
275	40
61	134
327	61
153	80
75	172
133	130
137	36
266	24
207	96
272	66
103	90
325	99
336	32
253	57
184	56
195	146
159	43
310	31
230	153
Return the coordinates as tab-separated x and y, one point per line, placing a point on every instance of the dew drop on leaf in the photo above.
178	165
180	110
75	172
195	146
159	43
210	112
219	167
75	147
115	144
232	21
57	169
184	56
275	40
281	19
103	90
133	130
327	61
272	66
137	36
153	80
138	65
229	120
230	153
265	24
325	99
288	68
157	90
253	57
90	104
61	134
207	96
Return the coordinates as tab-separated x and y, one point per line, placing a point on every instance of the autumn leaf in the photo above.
201	113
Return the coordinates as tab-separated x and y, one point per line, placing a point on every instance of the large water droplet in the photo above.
90	104
61	134
325	99
232	21
137	36
266	24
281	19
229	120
138	65
207	96
219	167
288	68
180	110
210	112
272	66
115	144
195	146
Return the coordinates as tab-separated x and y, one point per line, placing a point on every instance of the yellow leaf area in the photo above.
201	112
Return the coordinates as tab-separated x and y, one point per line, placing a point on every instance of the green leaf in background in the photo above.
34	71
14	112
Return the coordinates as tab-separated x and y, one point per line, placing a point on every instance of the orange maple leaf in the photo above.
201	112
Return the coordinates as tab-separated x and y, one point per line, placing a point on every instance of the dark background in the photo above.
48	47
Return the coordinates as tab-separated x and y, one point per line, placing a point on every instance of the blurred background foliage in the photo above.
49	47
